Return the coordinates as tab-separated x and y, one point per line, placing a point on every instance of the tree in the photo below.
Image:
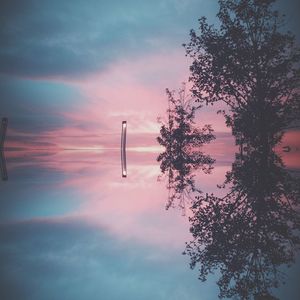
248	62
251	65
251	231
182	141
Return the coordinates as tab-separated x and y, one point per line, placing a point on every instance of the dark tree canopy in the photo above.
252	65
182	141
251	231
247	61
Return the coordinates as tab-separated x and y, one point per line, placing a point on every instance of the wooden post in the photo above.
4	123
3	169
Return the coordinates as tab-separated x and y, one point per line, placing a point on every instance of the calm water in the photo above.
73	228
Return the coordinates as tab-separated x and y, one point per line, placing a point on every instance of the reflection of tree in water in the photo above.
252	66
254	229
251	231
182	141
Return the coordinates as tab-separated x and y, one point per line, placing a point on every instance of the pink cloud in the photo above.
131	208
132	90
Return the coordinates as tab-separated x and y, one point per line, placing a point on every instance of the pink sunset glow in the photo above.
132	90
131	208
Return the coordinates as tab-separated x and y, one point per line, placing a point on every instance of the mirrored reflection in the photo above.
253	230
182	155
69	216
250	232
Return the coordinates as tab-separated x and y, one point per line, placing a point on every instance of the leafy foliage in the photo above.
252	230
248	61
250	64
182	141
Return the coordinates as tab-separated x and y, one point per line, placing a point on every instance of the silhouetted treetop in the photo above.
247	60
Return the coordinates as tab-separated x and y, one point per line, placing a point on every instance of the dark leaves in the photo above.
250	64
182	141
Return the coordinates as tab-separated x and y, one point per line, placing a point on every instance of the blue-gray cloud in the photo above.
54	38
68	259
42	39
72	260
35	106
70	38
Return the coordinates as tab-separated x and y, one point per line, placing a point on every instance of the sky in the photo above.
70	73
78	68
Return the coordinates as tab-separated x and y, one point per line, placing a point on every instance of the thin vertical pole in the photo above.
123	149
3	169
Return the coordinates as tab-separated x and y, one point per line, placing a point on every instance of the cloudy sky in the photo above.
70	72
77	68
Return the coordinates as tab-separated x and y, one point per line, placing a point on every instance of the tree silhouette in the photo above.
182	141
251	65
253	230
247	62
